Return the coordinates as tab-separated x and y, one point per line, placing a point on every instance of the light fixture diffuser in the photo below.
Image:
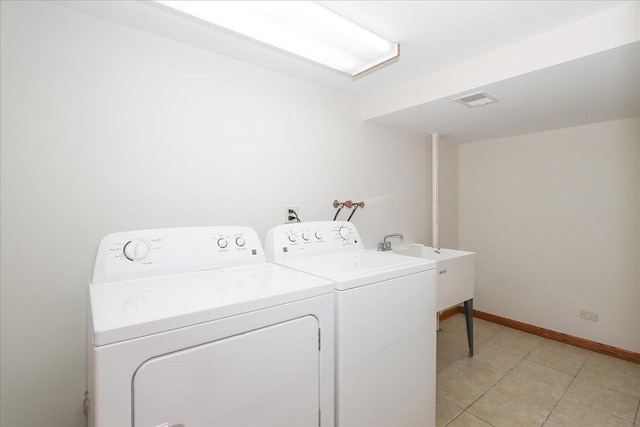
303	28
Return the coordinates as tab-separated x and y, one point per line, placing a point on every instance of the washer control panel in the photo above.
147	253
311	238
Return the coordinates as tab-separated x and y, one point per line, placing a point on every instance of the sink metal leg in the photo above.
468	314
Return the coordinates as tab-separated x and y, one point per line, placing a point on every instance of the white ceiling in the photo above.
436	35
595	88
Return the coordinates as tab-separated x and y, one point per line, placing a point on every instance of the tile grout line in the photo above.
501	378
633	423
575	377
561	397
479	397
524	358
491	388
563	394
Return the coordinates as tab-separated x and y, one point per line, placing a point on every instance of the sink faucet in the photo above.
385	245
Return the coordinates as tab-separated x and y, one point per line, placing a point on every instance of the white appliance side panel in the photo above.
386	353
268	377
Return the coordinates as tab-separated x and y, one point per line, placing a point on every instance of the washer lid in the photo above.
361	267
134	308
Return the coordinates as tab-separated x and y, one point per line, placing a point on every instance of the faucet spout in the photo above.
388	236
385	245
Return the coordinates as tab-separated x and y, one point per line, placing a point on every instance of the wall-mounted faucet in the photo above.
385	245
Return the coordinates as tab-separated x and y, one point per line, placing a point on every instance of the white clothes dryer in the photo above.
385	322
192	327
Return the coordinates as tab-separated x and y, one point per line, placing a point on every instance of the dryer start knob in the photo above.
135	250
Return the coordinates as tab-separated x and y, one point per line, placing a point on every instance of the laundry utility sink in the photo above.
456	272
455	279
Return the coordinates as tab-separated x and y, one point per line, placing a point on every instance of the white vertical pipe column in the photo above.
435	202
435	192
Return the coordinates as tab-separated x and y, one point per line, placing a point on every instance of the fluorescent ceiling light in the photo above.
303	28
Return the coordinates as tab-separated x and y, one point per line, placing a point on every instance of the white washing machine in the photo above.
385	322
192	327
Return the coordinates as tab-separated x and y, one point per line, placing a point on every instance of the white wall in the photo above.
106	129
555	220
448	180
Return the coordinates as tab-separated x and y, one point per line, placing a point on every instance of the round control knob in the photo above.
318	235
135	250
240	241
344	232
305	236
292	237
222	243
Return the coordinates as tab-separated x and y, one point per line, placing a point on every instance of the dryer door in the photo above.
267	377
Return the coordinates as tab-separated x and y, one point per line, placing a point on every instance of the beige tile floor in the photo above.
519	379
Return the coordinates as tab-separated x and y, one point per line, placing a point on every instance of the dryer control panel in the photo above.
148	253
288	241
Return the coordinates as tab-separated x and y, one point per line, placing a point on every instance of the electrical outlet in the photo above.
292	212
587	315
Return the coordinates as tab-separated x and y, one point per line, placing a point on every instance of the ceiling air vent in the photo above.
477	99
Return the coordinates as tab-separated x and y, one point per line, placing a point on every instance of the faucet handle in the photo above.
384	246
